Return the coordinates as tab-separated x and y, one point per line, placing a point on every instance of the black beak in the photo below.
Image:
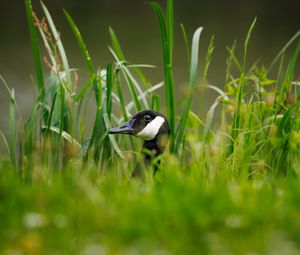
125	128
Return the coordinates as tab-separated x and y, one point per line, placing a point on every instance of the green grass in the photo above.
85	213
227	185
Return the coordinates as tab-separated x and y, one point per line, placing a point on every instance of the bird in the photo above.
153	128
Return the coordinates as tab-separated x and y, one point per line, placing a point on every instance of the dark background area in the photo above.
137	29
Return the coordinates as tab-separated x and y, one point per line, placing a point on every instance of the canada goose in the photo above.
153	128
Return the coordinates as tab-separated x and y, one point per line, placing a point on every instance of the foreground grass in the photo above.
80	212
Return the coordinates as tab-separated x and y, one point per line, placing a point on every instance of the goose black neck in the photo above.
151	149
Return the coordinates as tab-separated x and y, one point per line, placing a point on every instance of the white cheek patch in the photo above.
151	130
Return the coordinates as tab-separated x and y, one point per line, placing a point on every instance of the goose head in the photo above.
153	128
148	125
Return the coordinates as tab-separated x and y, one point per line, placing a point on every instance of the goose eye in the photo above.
147	118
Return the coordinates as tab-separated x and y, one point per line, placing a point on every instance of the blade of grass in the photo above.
48	47
125	113
170	25
229	62
95	132
140	74
60	46
51	111
293	62
12	126
62	109
287	78
98	87
279	80
166	30
283	50
12	121
98	127
109	88
208	58
192	85
246	43
10	94
84	89
130	105
64	134
5	143
121	97
234	58
155	103
208	123
121	62
116	44
137	104
131	82
35	50
237	118
218	90
128	76
84	51
187	46
112	137
81	43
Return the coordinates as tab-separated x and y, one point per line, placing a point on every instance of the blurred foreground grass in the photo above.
80	212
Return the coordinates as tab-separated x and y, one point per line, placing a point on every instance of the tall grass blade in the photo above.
12	122
229	62
237	119
293	62
85	89
279	80
85	53
112	137
62	108
286	79
109	89
166	31
131	82
81	43
5	143
170	25
130	105
95	134
64	134
51	111
140	74
137	104
61	49
153	102
116	44
235	129
12	126
209	121
234	58
187	46
246	43
195	57
121	97
121	62
283	50
208	58
192	85
99	127
35	50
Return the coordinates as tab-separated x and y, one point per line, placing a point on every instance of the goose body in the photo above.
153	128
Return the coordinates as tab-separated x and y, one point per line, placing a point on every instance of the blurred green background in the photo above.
137	29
